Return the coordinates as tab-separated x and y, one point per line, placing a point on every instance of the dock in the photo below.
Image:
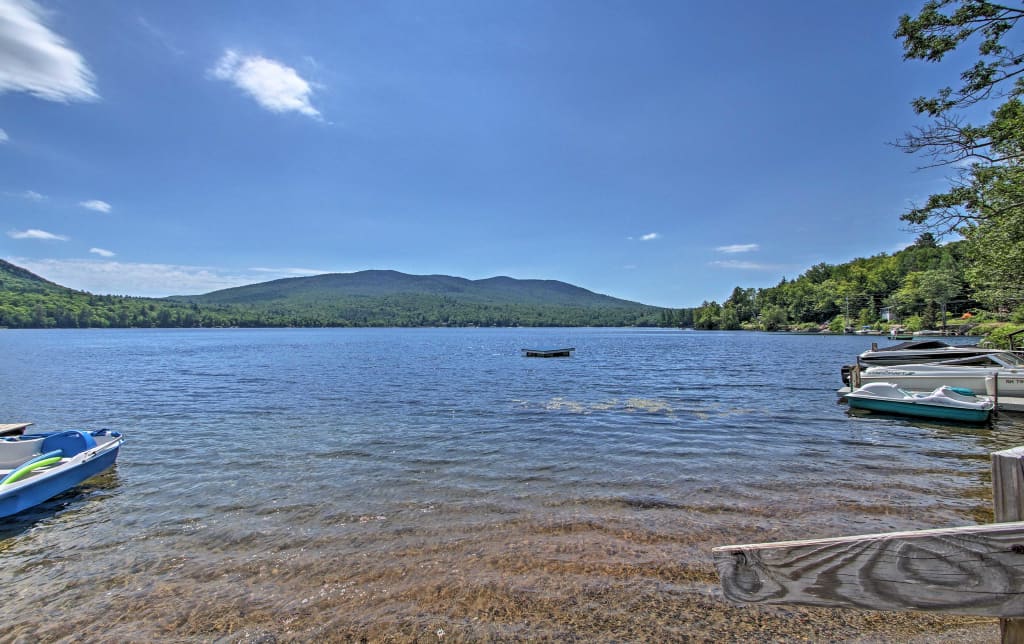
549	353
13	429
1003	403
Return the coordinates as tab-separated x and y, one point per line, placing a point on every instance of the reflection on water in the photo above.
433	484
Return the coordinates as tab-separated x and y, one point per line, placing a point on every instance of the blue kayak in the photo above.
37	467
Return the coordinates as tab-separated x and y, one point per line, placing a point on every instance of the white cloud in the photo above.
274	85
32	195
738	248
649	236
95	204
147	280
102	252
3	136
35	60
33	233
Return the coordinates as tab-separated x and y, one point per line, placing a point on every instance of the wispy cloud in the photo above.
102	252
745	266
148	280
3	136
290	272
96	204
274	85
32	195
33	233
159	36
649	237
35	60
738	248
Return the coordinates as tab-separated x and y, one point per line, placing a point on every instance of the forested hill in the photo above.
390	298
17	279
369	298
378	283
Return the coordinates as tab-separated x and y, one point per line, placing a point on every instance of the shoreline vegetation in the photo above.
918	288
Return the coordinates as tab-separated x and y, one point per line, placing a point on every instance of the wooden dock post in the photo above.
1008	502
971	570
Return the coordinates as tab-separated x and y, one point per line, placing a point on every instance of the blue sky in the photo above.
662	152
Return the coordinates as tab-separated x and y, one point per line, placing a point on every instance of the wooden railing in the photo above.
972	570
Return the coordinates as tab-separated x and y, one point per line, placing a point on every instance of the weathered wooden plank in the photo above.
11	429
1008	484
974	570
1008	503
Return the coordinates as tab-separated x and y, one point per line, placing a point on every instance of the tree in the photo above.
708	316
773	318
939	286
996	74
985	201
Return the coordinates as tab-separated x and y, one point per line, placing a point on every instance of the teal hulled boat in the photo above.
945	403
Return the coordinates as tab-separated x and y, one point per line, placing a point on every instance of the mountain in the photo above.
17	279
376	283
369	298
390	298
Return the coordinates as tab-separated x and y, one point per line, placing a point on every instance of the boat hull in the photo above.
921	411
1008	384
33	491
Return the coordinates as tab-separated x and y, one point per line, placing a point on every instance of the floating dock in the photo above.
1003	403
549	353
13	429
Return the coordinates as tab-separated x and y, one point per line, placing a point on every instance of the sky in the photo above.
660	152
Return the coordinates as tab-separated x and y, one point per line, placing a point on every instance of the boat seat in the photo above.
71	442
15	452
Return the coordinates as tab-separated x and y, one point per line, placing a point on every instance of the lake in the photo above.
432	484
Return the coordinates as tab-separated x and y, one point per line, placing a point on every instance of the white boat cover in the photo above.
943	396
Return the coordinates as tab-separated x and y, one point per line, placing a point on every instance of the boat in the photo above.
37	467
549	353
899	333
1000	373
944	403
919	351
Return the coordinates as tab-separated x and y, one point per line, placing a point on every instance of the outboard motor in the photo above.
845	372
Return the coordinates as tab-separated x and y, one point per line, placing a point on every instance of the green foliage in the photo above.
1018	315
1000	336
917	281
985	201
707	316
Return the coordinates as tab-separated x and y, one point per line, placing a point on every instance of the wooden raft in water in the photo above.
13	429
549	353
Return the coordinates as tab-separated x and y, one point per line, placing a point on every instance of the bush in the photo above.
1000	337
1018	315
913	323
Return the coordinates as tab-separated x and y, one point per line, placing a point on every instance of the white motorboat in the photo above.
1004	371
917	352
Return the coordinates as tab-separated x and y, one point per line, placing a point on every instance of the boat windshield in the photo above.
995	359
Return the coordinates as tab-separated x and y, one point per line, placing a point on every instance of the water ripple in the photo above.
340	484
